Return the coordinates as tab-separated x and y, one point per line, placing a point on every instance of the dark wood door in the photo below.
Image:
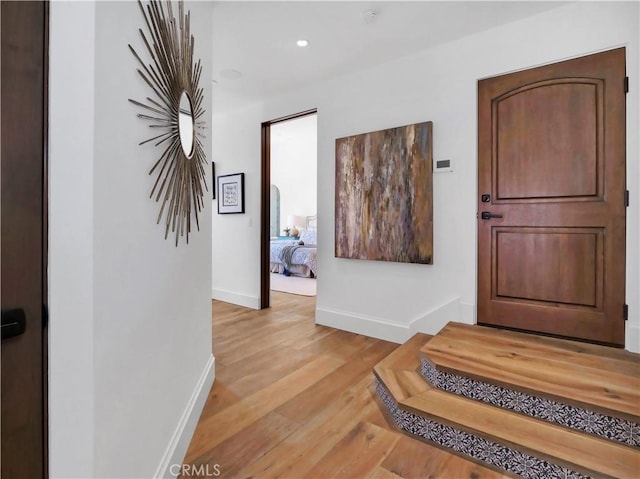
22	136
551	152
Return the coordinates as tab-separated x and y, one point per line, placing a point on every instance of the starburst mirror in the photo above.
174	110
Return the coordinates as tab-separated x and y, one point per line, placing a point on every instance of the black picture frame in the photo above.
231	194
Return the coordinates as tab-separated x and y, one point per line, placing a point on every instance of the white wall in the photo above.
236	237
633	216
390	300
294	164
71	328
130	330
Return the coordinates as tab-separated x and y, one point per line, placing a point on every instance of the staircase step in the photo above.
571	449
595	377
399	370
591	388
505	440
404	356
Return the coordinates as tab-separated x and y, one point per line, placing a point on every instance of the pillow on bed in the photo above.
308	237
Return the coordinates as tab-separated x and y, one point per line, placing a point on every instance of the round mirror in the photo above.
185	124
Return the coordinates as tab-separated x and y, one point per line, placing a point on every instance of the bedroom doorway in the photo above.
288	205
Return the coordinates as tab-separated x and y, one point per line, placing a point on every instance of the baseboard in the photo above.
365	325
436	319
177	448
632	342
240	299
430	323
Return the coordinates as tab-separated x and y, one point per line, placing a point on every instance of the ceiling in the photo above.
258	39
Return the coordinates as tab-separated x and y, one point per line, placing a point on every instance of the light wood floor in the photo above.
295	400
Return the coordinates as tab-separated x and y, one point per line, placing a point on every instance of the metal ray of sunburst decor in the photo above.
175	114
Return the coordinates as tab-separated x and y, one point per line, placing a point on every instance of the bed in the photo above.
296	257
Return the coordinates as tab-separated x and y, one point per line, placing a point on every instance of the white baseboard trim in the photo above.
232	297
365	325
430	323
181	438
436	319
632	342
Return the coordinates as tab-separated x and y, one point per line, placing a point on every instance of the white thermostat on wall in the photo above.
442	166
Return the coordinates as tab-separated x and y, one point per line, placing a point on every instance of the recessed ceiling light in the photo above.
230	74
302	43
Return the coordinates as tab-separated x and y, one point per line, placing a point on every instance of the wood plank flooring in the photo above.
295	400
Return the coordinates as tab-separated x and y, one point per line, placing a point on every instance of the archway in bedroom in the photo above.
289	259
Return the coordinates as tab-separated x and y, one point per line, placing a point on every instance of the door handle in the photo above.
14	323
486	215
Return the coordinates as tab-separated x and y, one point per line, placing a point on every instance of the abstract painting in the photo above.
384	195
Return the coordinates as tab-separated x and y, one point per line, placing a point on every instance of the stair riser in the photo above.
591	422
499	456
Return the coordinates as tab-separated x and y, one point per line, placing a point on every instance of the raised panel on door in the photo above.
548	144
551	157
558	267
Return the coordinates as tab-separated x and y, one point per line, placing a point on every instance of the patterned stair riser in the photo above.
612	428
497	455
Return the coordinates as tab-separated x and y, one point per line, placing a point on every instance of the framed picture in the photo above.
231	194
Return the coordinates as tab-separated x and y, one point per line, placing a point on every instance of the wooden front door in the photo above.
22	136
551	199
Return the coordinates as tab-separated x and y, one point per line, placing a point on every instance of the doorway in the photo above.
552	199
24	232
287	210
